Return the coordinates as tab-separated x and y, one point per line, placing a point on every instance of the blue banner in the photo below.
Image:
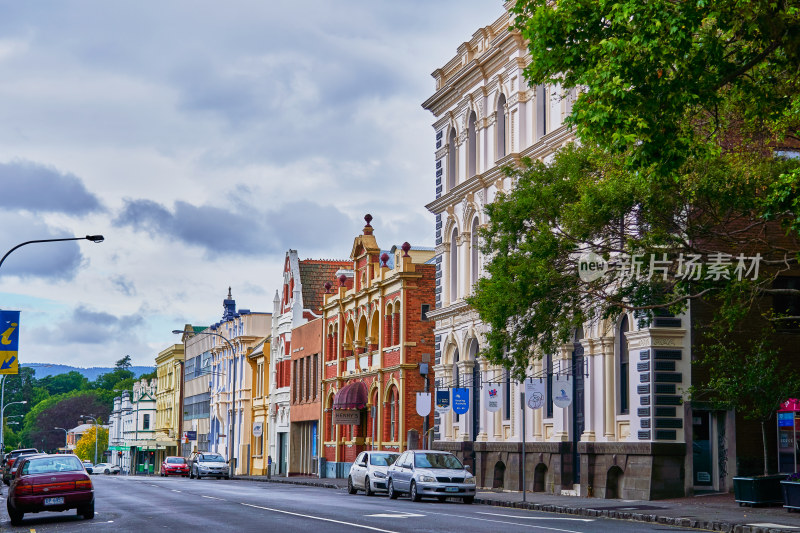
460	400
443	400
9	342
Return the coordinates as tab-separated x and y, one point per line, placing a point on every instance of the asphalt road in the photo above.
136	504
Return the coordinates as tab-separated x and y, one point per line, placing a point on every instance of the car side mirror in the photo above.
362	464
466	467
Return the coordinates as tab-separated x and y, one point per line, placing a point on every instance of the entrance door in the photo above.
283	453
577	408
702	453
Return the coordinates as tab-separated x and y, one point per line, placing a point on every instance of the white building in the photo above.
132	429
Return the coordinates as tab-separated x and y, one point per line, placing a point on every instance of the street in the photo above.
135	504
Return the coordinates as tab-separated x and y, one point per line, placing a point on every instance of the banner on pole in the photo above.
535	393
493	397
562	391
423	403
9	342
442	401
460	400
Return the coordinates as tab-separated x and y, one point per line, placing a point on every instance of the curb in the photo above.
707	525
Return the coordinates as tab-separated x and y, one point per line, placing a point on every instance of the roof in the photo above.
313	275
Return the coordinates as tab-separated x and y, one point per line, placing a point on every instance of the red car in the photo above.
174	466
50	483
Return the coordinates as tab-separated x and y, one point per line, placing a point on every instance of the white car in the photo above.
430	473
105	468
368	472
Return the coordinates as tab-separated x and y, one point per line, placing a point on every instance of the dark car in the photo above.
50	483
174	466
11	458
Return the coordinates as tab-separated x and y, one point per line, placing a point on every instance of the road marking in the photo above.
173	490
538	517
320	518
511	523
768	525
213	498
394	515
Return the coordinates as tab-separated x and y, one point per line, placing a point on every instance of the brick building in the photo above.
305	394
376	335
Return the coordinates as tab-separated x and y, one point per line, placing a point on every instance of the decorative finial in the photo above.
368	218
229	294
368	228
342	280
405	247
385	259
328	286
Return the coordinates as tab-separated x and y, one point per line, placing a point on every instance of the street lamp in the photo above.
93	238
66	444
2	425
83	417
233	396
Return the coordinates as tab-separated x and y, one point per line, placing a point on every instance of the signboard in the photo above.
442	401
535	393
492	397
9	342
258	429
785	420
460	400
423	403
346	417
562	391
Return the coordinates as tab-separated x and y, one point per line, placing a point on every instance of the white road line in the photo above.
173	490
538	517
212	498
320	518
511	523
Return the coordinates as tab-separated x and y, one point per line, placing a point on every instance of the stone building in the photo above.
377	339
196	409
169	419
132	429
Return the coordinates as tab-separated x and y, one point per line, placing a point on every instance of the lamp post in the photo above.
2	421
233	396
93	238
83	417
66	444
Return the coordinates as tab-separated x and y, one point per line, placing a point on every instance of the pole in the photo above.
93	238
95	441
425	421
522	403
231	466
2	420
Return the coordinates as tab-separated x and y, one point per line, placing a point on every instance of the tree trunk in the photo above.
764	443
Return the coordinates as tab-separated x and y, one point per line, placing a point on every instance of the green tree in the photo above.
85	447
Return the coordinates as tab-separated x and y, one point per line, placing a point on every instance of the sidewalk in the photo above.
713	512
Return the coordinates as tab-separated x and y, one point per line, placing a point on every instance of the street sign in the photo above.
258	429
9	342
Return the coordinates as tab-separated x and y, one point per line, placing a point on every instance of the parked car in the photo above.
368	472
50	483
88	466
9	460
174	466
105	468
430	473
208	464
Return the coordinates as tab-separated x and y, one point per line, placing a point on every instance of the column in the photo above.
589	388
609	385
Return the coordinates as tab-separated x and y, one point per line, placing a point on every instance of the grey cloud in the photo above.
87	326
38	188
124	285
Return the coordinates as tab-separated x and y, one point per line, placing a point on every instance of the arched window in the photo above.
456	378
474	250
472	148
454	266
393	412
623	366
500	124
451	159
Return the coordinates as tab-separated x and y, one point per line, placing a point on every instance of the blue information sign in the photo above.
460	400
9	342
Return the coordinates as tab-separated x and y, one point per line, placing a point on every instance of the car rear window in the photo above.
383	459
47	465
176	460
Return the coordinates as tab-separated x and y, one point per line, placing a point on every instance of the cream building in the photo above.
610	441
169	393
258	360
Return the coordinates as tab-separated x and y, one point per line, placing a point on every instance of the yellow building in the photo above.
169	373
258	361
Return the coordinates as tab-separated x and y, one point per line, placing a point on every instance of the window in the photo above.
474	250
623	366
541	111
425	309
456	380
451	159
500	124
472	149
507	395
786	304
549	369
454	266
393	416
145	421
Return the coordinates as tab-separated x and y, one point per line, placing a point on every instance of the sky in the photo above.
203	140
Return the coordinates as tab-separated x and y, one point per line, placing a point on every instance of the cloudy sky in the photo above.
204	139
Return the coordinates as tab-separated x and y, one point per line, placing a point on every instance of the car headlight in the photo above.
470	480
427	479
379	475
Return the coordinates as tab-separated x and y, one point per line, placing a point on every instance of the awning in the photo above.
352	396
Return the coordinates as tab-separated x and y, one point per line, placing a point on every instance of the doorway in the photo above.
702	450
578	419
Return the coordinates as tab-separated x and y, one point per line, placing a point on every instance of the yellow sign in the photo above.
9	342
9	363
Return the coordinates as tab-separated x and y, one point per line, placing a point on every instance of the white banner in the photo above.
562	391
423	403
258	429
535	393
492	396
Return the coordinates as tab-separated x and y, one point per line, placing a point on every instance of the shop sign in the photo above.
346	417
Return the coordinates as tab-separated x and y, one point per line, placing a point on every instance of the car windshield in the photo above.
47	465
383	459
437	460
176	460
209	458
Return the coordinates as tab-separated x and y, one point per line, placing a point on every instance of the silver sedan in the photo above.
368	472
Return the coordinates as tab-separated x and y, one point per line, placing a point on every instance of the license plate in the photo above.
54	501
451	489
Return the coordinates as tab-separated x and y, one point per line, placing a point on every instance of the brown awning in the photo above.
352	396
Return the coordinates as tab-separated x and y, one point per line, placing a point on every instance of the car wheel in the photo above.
350	488
87	511
368	487
469	499
393	494
16	517
227	477
191	474
415	497
106	471
197	475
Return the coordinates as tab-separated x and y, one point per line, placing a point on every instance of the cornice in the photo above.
451	310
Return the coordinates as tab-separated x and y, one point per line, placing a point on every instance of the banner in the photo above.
442	401
258	429
492	397
460	400
9	342
562	391
535	393
423	403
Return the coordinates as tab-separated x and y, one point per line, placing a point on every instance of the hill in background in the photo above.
47	369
